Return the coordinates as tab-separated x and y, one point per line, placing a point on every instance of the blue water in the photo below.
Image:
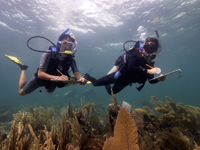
101	27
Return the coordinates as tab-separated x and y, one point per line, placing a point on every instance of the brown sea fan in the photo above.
125	133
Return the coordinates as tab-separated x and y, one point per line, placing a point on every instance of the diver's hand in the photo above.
82	80
63	78
162	78
154	70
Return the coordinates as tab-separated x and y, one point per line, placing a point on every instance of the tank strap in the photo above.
124	58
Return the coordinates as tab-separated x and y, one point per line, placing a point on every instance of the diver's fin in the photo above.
85	76
16	60
89	82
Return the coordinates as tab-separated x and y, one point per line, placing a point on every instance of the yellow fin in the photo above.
89	82
14	59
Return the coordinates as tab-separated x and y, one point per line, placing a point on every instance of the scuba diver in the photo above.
53	68
135	66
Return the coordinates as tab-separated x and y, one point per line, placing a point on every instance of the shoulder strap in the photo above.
124	58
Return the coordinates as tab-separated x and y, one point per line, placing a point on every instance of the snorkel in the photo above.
159	47
59	40
155	56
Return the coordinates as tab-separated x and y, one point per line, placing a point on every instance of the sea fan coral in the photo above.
125	133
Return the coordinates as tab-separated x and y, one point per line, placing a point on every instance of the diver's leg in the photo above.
118	88
108	88
30	86
119	85
22	82
108	79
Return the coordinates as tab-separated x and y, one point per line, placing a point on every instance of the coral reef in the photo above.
3	136
87	110
96	124
179	115
77	132
100	110
84	127
113	109
160	106
37	118
16	141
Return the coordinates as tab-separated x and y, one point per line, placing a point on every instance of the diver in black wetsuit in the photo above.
135	66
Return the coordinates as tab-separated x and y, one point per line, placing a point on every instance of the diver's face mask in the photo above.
150	47
67	45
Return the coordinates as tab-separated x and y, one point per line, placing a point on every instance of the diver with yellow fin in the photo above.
58	57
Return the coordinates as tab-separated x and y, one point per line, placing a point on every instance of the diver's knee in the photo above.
50	91
22	93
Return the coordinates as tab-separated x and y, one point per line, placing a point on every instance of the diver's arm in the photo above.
134	67
151	76
44	62
154	70
79	77
162	78
45	76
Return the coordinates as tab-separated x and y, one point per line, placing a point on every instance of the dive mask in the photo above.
66	45
150	48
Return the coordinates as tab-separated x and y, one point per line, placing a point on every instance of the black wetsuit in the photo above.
132	69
